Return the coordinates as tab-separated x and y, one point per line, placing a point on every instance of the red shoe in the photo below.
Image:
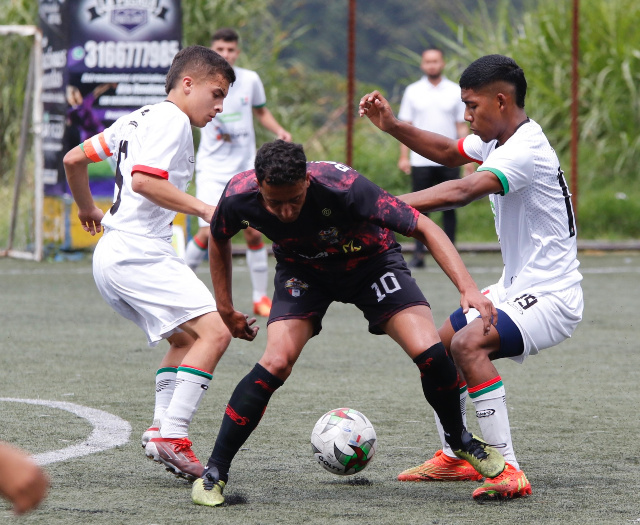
441	468
176	455
510	484
262	307
149	434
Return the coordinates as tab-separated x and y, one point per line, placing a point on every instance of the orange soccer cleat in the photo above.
262	307
441	468
510	484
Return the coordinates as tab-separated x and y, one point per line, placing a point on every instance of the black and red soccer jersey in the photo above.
346	219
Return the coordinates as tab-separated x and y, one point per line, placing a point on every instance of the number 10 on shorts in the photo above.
388	283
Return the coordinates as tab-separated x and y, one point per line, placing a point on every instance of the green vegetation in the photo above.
289	42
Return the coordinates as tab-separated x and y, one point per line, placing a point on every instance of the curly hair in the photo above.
279	163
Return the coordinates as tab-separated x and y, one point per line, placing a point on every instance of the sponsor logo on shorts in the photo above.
295	287
485	413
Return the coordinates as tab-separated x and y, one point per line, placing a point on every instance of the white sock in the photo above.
258	269
191	384
491	410
463	408
194	254
165	384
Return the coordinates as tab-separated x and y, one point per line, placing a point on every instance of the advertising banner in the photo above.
102	59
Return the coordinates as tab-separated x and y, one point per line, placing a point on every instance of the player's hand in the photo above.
486	309
22	482
377	109
91	220
241	326
405	166
207	216
283	134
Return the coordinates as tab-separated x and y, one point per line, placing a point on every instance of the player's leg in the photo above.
445	465
209	189
196	249
179	345
420	179
413	329
209	339
257	262
285	340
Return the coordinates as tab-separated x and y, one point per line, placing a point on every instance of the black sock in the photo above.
242	415
440	386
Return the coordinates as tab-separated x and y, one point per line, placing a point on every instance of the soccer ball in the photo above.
343	441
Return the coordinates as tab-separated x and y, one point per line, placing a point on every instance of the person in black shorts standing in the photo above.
332	238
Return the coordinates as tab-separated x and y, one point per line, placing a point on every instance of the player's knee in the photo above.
279	365
465	347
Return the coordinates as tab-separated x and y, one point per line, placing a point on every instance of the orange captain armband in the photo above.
95	148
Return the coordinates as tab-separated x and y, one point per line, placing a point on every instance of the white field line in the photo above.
109	431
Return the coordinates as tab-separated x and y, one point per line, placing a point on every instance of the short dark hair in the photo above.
433	48
199	62
227	34
495	68
279	163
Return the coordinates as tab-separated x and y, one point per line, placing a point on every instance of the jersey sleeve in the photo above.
368	202
512	165
471	148
101	146
258	96
162	144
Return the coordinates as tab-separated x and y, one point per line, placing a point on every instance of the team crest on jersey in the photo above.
295	287
329	235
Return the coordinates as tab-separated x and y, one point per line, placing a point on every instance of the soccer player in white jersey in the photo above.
134	265
228	146
539	297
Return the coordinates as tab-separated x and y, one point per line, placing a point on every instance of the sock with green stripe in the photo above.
491	410
165	385
191	384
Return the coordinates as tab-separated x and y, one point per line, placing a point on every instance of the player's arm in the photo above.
454	193
269	122
220	266
434	146
22	482
76	165
448	258
164	194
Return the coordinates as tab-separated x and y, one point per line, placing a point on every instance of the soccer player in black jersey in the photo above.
332	238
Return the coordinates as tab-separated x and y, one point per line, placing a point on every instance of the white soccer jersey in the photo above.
533	215
156	140
433	108
228	142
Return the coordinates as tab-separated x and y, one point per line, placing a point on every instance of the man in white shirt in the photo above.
432	103
227	147
539	297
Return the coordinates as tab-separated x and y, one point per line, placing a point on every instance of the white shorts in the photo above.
544	319
145	281
209	189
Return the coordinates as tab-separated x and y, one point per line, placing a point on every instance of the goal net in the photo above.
21	158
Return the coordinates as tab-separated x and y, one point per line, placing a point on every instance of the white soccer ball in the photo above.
343	441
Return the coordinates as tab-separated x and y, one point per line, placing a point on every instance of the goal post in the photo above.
21	224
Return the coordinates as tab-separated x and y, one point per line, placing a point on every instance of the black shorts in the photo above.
380	288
